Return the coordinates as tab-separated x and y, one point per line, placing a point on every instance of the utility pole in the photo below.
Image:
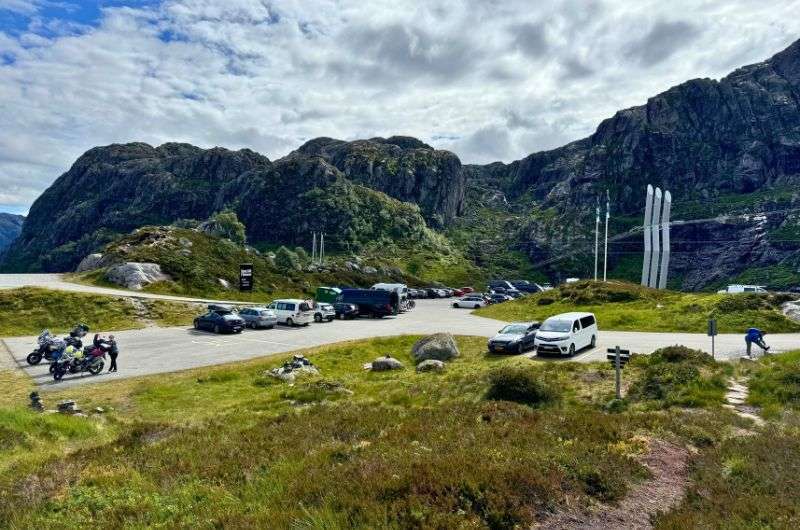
605	253
596	235
321	248
313	247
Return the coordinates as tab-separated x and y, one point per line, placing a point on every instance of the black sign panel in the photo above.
246	277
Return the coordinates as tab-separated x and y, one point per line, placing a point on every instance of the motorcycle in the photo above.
92	360
50	344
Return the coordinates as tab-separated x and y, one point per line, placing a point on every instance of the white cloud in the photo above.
489	80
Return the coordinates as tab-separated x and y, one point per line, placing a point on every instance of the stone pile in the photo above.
298	366
68	407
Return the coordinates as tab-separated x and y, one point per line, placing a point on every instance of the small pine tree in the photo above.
302	255
286	260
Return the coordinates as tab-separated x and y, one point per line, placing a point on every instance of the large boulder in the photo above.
90	263
384	364
431	365
439	346
133	275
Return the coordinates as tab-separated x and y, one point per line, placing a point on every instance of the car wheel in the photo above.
477	306
196	325
455	305
270	327
317	318
594	342
520	349
216	328
571	350
289	322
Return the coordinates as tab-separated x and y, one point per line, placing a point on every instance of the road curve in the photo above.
157	350
57	282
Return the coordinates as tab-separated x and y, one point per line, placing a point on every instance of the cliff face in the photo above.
10	227
112	190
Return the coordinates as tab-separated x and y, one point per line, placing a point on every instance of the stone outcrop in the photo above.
439	346
135	276
90	263
386	363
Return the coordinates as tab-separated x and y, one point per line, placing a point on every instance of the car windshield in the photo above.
516	329
223	312
556	325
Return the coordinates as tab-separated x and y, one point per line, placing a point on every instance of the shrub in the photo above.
286	260
678	354
522	385
226	224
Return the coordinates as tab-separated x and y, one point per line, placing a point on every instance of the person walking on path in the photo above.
755	336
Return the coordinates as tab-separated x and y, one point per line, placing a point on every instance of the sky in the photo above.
489	80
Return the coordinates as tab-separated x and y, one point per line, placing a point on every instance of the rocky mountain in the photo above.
355	192
10	227
712	143
729	151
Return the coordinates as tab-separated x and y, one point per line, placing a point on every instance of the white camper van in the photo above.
566	334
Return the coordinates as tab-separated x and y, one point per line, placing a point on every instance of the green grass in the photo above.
774	383
629	307
28	310
227	447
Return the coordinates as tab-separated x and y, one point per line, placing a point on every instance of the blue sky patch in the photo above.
66	12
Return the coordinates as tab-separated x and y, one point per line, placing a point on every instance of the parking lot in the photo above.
156	350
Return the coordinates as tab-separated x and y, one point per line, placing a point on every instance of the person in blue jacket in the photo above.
755	336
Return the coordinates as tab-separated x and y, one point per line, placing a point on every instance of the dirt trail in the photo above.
736	399
668	465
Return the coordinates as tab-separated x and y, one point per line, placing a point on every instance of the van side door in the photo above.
577	336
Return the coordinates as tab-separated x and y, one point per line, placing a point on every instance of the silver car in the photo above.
258	317
324	312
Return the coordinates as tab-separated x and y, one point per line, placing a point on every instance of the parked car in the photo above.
514	338
258	317
471	301
566	334
345	311
499	298
372	302
495	285
526	287
458	292
467	290
515	294
220	319
324	312
293	312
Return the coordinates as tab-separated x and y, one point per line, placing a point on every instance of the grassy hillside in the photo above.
630	307
197	262
493	442
28	310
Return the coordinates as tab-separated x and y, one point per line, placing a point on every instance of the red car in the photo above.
467	290
458	292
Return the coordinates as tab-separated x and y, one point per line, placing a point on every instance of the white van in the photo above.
293	311
566	333
402	293
736	288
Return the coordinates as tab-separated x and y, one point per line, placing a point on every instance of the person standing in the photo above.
113	351
755	336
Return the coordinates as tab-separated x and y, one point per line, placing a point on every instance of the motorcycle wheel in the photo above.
96	368
34	358
58	374
52	367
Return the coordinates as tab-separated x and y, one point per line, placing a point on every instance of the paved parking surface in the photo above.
157	350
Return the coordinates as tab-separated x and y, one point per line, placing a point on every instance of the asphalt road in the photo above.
57	282
157	350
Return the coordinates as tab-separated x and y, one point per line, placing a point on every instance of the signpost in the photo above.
619	358
712	332
246	277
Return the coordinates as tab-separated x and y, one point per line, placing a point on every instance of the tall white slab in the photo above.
662	282
648	238
656	245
